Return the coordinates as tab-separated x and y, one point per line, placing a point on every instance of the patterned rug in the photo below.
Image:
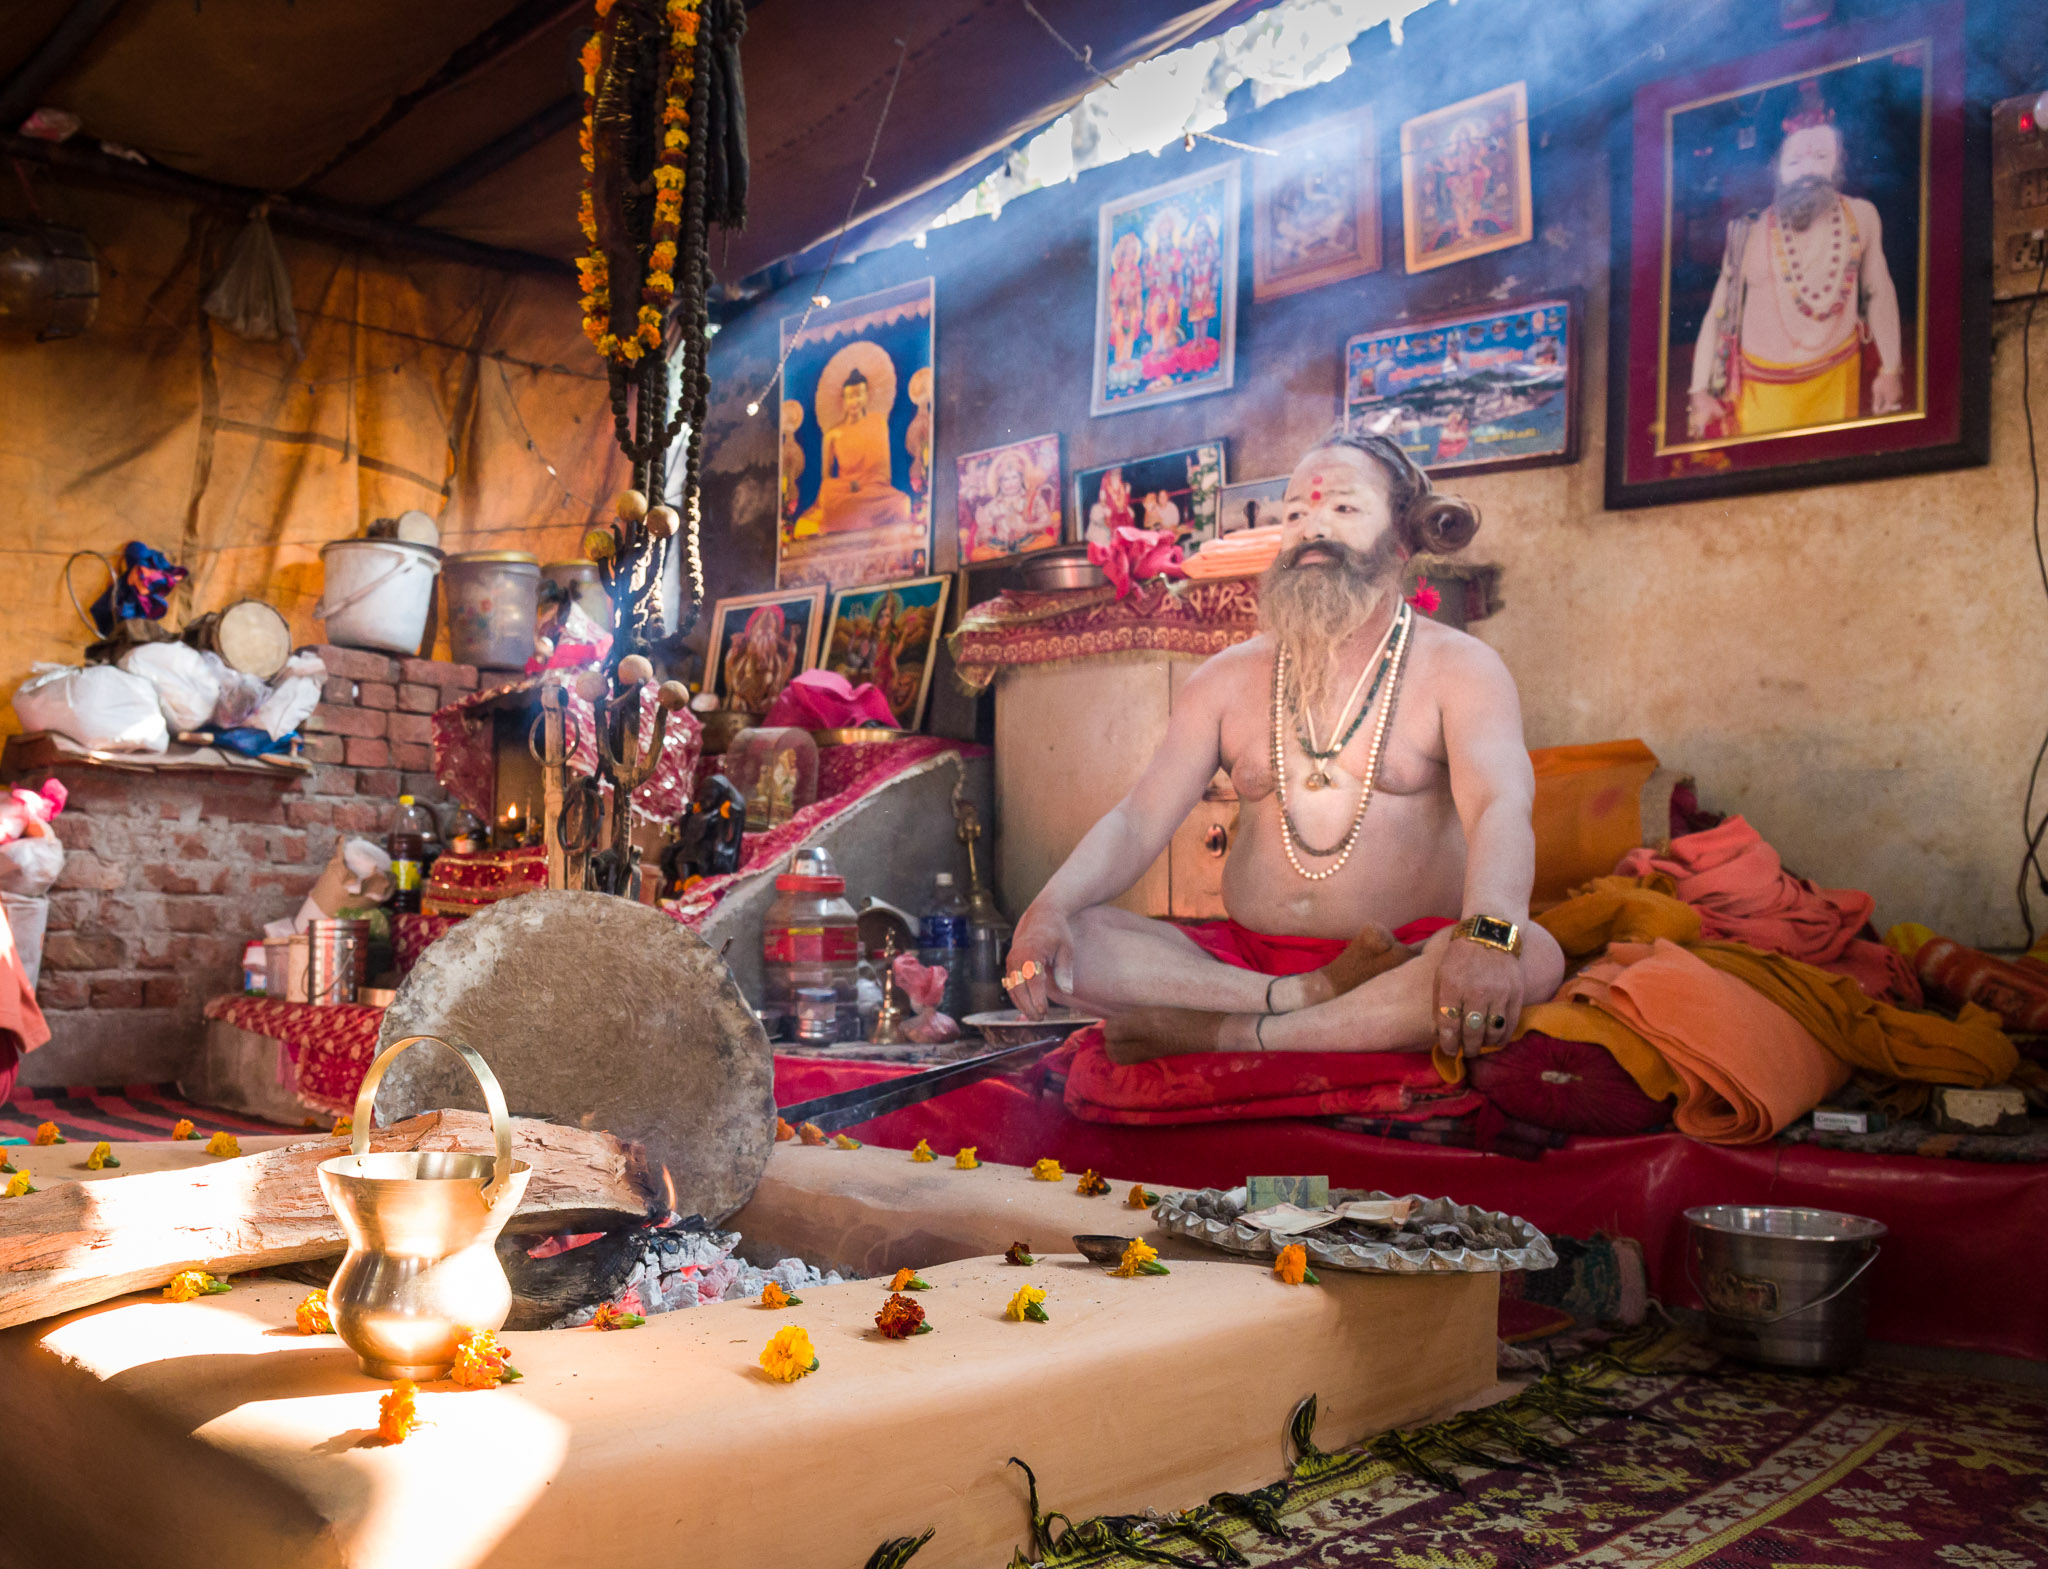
119	1112
1707	1465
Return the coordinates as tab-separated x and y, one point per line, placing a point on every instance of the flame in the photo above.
669	1183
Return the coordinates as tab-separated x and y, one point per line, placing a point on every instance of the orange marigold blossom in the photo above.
344	1127
923	1153
811	1133
1046	1170
773	1296
223	1144
901	1317
610	1315
481	1361
845	1141
46	1133
1092	1184
1140	1258
783	1131
101	1158
1140	1197
312	1315
397	1412
183	1129
1019	1253
1027	1304
908	1280
1292	1266
190	1283
788	1354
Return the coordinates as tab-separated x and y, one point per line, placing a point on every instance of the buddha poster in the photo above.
855	487
1166	292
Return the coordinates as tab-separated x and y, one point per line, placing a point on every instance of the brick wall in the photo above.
168	874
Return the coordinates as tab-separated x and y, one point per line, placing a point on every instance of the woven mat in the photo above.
129	1112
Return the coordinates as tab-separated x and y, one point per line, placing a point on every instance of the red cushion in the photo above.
1565	1086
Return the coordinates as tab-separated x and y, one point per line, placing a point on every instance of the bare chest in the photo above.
1410	758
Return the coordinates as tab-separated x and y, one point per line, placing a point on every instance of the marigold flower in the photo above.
923	1153
1292	1266
183	1129
788	1354
312	1314
901	1317
344	1127
773	1296
1140	1258
909	1280
1019	1253
593	54
811	1134
6	1157
190	1283
966	1160
1025	1305
1092	1184
397	1413
668	179
101	1158
223	1144
1140	1197
1047	1170
19	1185
845	1141
481	1361
783	1131
47	1133
610	1315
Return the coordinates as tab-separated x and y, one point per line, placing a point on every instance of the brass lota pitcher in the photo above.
422	1229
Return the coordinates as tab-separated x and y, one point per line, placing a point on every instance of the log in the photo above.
77	1243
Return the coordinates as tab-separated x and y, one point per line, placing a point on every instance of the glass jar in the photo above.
776	770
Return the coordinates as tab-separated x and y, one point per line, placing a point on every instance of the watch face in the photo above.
1491	928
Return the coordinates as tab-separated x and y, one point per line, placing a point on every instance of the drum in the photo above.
249	636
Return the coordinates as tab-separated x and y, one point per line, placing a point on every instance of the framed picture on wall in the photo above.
1251	503
1166	292
1181	492
1316	207
854	481
1800	285
1008	500
758	641
1465	179
888	636
1465	394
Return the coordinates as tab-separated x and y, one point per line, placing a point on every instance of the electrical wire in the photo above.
2034	832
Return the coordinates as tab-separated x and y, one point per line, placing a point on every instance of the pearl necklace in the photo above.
1288	835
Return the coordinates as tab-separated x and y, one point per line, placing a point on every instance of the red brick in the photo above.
117	991
334	781
345	721
187	877
412	756
362	817
358	664
417	729
371	752
425	787
338	690
194	915
56	991
379	783
438	672
451	694
86	870
73	909
69	951
162	991
255	844
303	814
295	884
320	748
263	804
419	699
193	847
377	694
291	850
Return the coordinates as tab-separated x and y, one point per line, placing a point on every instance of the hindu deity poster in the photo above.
1316	207
758	641
1180	492
855	491
1484	390
1009	500
1465	179
888	637
1166	292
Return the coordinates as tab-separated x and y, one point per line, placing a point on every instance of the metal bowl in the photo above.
1066	567
1008	1027
1102	1249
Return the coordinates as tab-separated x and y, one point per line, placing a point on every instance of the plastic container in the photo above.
378	593
285	968
255	967
408	846
810	937
1783	1287
942	938
817	1015
492	597
29	917
776	770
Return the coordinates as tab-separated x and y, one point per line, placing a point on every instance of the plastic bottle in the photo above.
810	937
408	846
942	938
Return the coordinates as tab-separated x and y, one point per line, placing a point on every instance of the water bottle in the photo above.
942	939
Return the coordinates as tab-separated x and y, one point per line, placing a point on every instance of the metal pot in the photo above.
1067	567
1783	1287
422	1228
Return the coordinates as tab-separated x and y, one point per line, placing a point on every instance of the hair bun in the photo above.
1441	525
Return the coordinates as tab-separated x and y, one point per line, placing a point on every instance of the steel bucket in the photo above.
1783	1287
422	1228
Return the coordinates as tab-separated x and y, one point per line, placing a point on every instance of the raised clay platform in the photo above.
211	1433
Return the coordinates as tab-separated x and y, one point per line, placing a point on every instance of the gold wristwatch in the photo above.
1490	931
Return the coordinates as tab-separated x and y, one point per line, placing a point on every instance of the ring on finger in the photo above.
1500	1021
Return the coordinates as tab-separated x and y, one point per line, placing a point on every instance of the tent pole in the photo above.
486	160
20	93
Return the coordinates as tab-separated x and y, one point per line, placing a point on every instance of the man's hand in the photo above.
1045	942
1702	411
1478	997
1887	392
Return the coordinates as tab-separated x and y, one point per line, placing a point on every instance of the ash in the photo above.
685	1262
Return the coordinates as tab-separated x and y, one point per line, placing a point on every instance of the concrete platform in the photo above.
211	1433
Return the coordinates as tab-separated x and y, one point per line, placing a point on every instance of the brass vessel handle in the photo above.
494	1097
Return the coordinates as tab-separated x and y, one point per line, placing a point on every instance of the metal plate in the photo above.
600	1013
1214	1217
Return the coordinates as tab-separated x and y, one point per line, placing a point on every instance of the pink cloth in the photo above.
826	700
27	812
1743	893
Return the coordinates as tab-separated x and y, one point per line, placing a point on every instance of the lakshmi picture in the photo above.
1008	500
759	641
1316	207
1166	292
854	469
1465	179
887	636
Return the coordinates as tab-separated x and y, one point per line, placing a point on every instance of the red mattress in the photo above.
1961	1269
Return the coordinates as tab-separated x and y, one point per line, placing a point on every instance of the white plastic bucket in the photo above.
378	593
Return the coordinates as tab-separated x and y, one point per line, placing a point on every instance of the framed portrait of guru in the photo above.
1800	282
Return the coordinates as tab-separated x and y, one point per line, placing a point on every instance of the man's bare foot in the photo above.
1372	952
1145	1033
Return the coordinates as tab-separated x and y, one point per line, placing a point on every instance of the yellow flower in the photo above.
190	1283
1092	1185
183	1130
966	1160
908	1280
1140	1197
773	1296
1026	1304
675	136
101	1158
923	1153
313	1316
223	1144
675	112
593	54
19	1185
663	256
788	1355
845	1142
610	1315
48	1134
1140	1258
1047	1170
481	1361
344	1127
397	1415
666	178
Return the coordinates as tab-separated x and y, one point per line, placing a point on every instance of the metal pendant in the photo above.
1317	780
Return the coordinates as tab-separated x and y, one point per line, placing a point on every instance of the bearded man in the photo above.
1802	285
1385	796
